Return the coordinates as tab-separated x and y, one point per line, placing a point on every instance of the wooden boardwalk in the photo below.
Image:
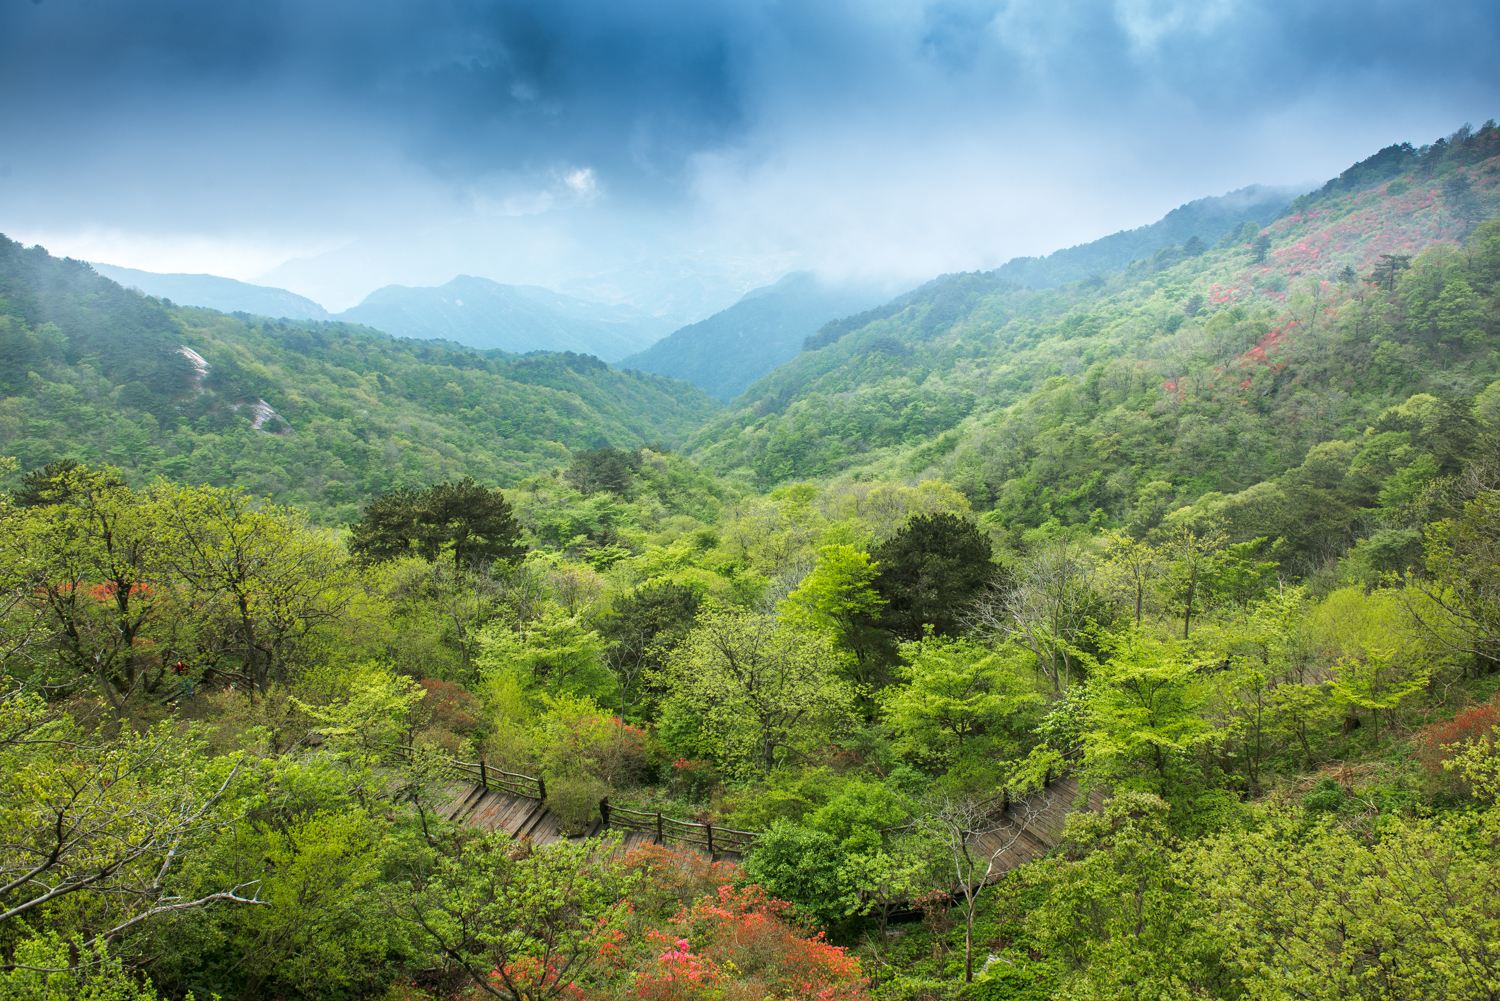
1025	830
525	817
1031	827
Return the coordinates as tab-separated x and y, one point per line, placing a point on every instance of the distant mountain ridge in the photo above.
726	352
1208	219
485	314
321	414
214	292
474	312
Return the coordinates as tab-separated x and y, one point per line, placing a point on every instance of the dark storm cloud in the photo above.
463	87
781	125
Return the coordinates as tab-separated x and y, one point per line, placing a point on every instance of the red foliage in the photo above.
740	945
105	592
530	977
451	711
108	591
1437	742
705	937
1272	340
671	879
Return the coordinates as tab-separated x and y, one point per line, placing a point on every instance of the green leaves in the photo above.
525	924
960	699
752	693
472	524
1144	711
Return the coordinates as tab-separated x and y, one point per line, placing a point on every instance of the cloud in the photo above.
1147	22
911	135
581	181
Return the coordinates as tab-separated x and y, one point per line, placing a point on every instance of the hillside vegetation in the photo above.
1198	369
733	348
1216	538
320	415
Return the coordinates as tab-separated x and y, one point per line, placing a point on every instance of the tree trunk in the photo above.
1187	612
969	943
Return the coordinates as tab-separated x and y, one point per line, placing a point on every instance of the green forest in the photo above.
1135	637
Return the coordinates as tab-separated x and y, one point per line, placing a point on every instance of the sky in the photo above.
671	153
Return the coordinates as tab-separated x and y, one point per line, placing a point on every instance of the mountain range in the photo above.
1199	370
475	312
213	292
1207	367
321	414
722	354
726	352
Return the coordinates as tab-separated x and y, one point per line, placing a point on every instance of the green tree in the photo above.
267	582
472	523
960	699
641	629
1144	711
553	653
754	691
929	572
99	829
1462	583
609	469
525	925
1315	911
1259	247
804	866
1115	911
839	595
96	552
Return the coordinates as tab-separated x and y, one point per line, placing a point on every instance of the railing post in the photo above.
1005	800
659	838
710	828
1047	779
604	810
541	789
484	775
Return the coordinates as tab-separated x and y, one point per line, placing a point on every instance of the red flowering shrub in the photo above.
108	590
1437	742
672	879
529	977
699	936
677	973
451	712
742	945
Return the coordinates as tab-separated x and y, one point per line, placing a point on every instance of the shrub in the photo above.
1438	742
803	866
574	800
1326	797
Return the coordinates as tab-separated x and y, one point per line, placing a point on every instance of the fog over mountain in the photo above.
214	292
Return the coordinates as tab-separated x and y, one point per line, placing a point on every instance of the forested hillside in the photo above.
484	314
1198	369
1205	220
1134	638
321	415
736	346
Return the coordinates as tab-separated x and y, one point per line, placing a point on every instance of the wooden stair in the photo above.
1042	815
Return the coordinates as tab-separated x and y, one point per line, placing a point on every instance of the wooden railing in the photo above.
716	839
487	776
713	838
